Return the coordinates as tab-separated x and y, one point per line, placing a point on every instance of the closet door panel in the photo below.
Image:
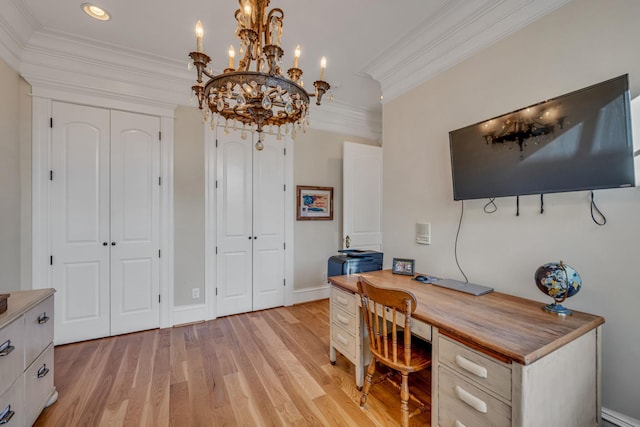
135	243
234	226
80	221
268	225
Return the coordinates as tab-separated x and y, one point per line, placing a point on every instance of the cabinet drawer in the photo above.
12	405
39	329
460	403
38	384
485	371
344	300
344	320
11	353
343	341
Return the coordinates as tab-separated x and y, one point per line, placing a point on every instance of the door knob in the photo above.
347	242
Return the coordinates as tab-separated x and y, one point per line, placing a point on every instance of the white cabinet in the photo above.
250	224
471	388
26	357
104	183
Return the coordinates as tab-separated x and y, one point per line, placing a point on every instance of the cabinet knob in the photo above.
6	348
104	243
43	318
113	243
43	371
250	237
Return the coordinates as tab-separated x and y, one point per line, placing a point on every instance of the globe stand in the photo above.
558	309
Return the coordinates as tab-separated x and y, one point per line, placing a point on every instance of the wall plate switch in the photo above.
195	293
423	233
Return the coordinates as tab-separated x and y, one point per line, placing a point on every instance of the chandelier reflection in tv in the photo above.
256	93
536	124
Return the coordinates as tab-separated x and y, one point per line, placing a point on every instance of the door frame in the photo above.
42	102
210	171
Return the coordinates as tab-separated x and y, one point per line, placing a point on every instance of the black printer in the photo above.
354	261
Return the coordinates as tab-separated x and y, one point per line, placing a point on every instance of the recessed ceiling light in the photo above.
96	12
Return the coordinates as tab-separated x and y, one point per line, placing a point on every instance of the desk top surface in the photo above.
513	327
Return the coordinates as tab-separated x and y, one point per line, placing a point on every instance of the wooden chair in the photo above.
390	341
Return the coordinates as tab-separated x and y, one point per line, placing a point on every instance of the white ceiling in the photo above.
373	47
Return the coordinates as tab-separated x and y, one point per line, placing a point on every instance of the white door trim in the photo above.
41	227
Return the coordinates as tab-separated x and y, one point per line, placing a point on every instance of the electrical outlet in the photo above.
324	277
195	293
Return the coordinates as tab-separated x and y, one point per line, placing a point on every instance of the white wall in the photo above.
583	43
318	161
10	194
188	205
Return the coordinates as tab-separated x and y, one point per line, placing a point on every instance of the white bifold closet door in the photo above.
104	221
250	225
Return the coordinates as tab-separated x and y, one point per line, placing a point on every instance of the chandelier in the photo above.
256	93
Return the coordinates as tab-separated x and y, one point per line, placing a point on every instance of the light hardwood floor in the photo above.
267	368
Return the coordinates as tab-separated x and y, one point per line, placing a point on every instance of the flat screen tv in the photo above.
578	141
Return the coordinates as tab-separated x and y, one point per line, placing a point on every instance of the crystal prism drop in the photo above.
288	108
259	146
266	102
220	104
241	100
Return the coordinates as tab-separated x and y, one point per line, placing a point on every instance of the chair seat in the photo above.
420	354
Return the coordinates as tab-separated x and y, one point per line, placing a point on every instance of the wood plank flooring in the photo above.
267	368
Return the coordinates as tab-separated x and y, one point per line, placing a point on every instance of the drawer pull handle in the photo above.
459	424
6	415
342	300
342	319
469	366
43	371
468	398
343	340
43	318
6	348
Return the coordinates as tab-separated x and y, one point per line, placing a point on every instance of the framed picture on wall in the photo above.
314	203
403	266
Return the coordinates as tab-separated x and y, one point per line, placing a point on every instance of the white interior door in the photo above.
362	196
234	225
268	224
80	221
135	240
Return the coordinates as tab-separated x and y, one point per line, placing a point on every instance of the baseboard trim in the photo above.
184	314
311	294
618	419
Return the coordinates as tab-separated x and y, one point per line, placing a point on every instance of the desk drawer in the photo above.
11	353
344	320
12	405
344	342
344	300
39	327
38	384
479	368
460	403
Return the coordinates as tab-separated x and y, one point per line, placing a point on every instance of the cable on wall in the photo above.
517	205
455	247
595	210
541	204
491	206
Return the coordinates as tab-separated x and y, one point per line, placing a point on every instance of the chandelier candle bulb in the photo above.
323	66
232	55
199	34
296	56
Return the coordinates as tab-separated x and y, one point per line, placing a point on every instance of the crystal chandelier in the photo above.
256	94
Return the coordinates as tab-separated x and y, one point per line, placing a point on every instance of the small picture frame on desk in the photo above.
403	266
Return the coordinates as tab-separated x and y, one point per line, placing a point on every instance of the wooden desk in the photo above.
497	359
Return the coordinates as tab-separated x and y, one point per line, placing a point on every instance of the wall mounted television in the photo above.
578	141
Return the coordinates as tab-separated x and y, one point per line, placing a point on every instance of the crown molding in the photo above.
454	33
16	26
60	66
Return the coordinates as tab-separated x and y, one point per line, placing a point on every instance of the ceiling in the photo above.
373	47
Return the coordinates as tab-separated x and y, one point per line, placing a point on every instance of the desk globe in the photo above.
559	281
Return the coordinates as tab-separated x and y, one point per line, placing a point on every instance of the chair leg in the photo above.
404	397
367	382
